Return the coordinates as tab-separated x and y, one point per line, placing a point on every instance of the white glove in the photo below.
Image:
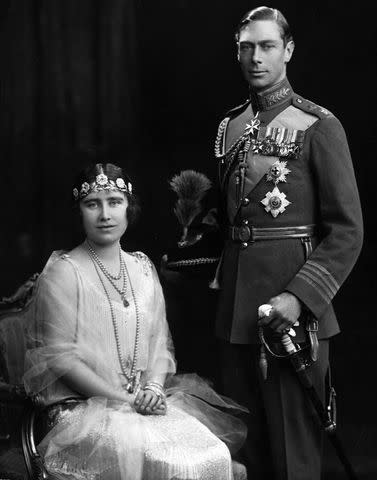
265	310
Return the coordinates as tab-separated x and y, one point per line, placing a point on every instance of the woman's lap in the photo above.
101	442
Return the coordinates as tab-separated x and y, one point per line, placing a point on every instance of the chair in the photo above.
18	413
30	438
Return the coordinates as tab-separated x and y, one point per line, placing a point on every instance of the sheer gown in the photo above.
100	439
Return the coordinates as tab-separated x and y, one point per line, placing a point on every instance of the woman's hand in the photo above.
148	402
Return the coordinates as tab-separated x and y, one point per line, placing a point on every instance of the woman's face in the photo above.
104	216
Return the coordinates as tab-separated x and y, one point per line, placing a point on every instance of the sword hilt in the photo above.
288	345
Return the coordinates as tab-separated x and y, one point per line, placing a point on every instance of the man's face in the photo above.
262	54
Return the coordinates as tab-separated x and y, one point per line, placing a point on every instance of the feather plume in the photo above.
190	187
186	210
190	184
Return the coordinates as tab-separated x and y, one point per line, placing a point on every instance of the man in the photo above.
293	227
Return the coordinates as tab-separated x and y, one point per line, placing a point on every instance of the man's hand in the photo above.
286	309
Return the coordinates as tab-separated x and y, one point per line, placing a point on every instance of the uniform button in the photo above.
245	202
299	100
245	222
244	244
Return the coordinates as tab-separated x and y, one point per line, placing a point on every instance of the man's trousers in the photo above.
284	433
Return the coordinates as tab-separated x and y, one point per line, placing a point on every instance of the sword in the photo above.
300	367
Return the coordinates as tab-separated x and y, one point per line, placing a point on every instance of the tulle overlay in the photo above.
98	438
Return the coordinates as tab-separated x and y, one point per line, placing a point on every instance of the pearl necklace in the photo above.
102	266
122	291
130	376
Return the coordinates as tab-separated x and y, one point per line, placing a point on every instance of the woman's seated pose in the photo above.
102	359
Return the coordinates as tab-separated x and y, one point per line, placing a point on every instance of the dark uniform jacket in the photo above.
297	172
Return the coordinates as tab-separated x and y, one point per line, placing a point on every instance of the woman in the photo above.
102	355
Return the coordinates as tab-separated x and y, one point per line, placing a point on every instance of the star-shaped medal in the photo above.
275	202
253	125
278	172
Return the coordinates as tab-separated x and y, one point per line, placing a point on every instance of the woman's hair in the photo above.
113	173
266	13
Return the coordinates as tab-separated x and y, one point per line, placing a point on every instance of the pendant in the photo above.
126	303
130	387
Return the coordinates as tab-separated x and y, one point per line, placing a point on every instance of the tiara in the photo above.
102	182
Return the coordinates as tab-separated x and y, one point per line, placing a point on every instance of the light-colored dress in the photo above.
100	439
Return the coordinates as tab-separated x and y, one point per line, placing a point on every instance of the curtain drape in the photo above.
69	80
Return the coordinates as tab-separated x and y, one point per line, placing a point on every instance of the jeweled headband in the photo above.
102	182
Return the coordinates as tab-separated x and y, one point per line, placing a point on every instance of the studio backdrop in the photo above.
150	80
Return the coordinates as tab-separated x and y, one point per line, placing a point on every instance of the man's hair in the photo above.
266	13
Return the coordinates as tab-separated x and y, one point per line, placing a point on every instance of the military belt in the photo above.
248	233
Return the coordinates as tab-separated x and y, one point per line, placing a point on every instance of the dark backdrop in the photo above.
152	79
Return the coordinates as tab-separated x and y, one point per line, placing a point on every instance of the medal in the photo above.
253	125
275	202
278	172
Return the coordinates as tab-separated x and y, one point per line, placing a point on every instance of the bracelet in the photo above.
155	384
155	388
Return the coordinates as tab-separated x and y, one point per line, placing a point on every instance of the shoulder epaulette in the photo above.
237	110
310	107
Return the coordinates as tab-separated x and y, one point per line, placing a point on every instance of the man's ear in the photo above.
289	51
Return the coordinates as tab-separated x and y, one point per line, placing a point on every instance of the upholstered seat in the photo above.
18	413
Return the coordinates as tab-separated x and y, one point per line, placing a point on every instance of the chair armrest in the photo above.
33	460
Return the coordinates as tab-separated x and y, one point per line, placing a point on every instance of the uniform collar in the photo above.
273	97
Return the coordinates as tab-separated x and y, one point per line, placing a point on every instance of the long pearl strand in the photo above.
131	376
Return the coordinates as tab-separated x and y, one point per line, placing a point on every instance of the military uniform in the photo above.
292	222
